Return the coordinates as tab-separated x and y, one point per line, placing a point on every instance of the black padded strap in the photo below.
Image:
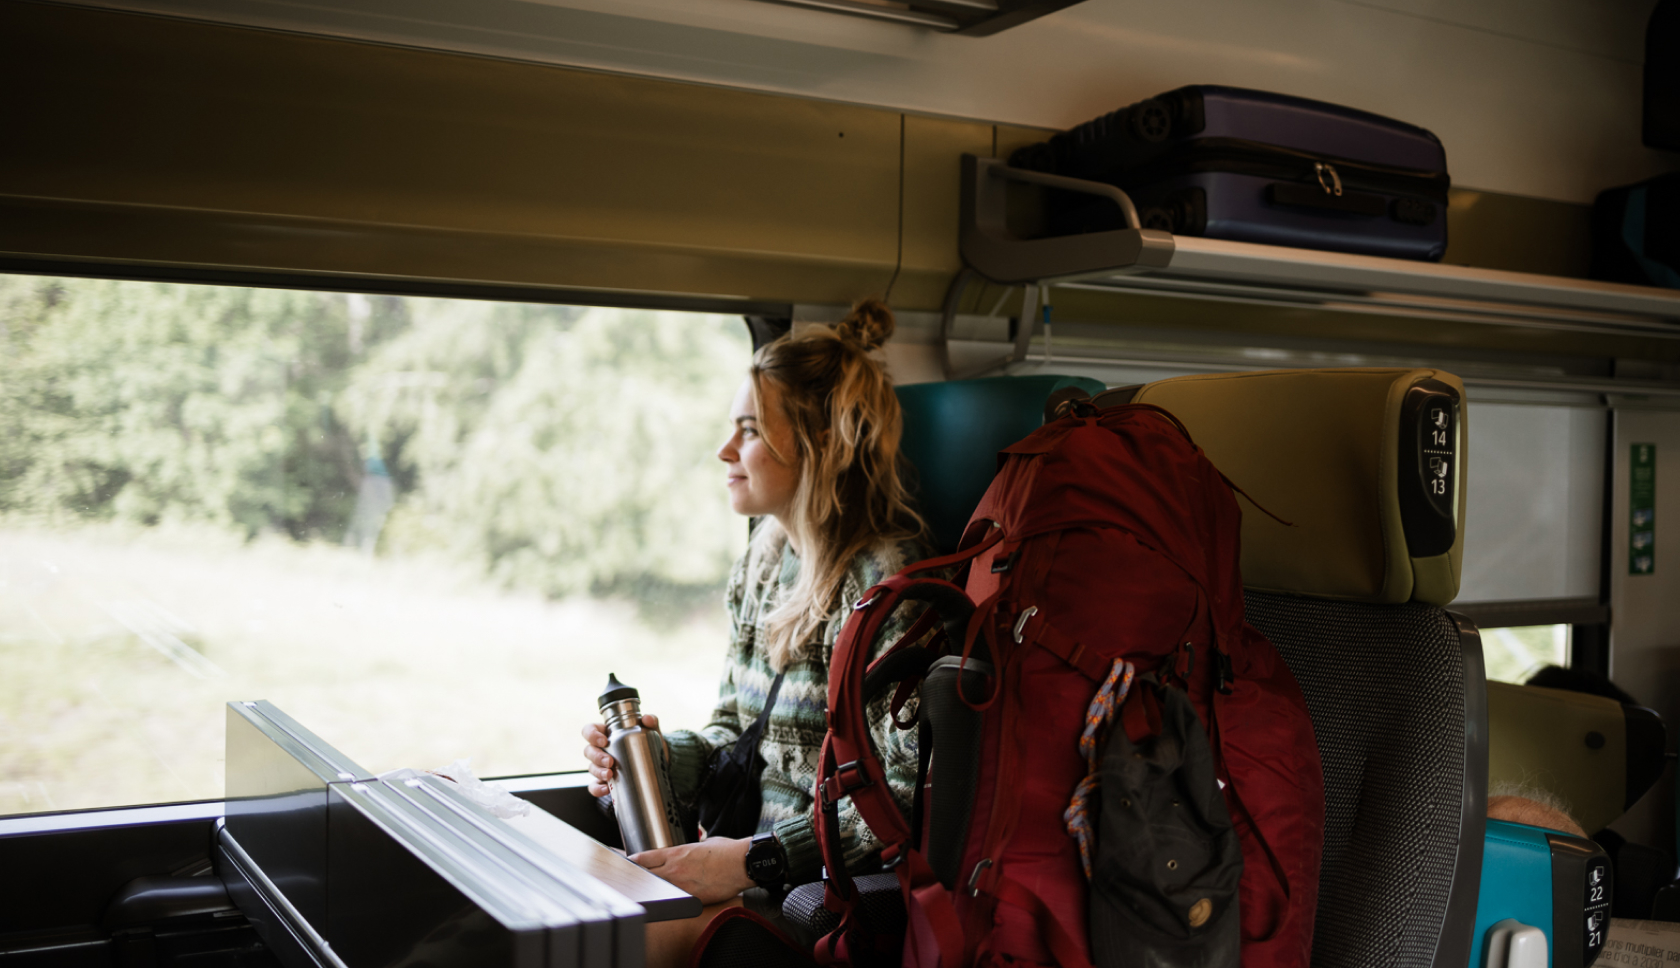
956	733
749	740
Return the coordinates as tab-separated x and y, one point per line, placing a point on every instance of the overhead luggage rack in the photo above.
1155	263
1244	272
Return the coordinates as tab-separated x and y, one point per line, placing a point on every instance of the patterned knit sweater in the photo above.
794	733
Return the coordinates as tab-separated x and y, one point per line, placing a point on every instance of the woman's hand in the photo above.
601	765
713	870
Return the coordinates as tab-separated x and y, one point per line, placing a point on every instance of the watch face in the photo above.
764	860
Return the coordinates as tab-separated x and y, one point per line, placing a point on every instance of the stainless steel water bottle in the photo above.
641	785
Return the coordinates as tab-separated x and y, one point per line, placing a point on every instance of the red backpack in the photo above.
1105	535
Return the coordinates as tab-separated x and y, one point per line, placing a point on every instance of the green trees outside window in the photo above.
172	454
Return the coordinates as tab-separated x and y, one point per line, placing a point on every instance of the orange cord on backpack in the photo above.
1109	697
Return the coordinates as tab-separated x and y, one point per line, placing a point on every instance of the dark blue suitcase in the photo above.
1230	163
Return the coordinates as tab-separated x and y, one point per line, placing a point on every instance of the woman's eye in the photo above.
749	432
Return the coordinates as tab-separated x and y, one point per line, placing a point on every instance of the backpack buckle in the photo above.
847	778
1021	622
891	857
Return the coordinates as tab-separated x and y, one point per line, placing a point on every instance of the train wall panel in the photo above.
1537	98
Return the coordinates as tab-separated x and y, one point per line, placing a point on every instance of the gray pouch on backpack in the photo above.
1167	859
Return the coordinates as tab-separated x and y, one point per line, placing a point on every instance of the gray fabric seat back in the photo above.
1397	698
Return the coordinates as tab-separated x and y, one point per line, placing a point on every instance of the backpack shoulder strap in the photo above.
849	767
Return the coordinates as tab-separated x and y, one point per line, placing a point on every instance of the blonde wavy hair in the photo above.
846	424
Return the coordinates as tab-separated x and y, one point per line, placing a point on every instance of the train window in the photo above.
1514	654
426	527
1535	513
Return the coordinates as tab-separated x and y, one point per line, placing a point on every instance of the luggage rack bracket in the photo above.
990	250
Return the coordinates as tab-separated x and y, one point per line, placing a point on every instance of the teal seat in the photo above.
953	432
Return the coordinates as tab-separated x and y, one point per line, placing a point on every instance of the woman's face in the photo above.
758	482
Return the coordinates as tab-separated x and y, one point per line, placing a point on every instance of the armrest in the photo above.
880	905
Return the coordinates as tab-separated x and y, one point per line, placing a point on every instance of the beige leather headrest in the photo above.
1542	737
1375	518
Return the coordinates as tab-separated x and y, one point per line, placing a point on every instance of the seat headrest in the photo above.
953	432
1367	465
1546	738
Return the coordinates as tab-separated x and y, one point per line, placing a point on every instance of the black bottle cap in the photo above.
616	691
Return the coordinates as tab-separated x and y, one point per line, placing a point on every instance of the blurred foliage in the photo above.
570	449
1514	654
561	448
148	403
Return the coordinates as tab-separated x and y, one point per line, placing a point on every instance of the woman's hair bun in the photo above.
869	324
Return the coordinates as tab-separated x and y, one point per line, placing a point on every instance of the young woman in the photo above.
814	456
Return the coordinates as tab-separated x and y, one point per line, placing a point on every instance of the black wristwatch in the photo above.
767	862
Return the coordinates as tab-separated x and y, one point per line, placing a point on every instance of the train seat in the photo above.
1366	464
1369	466
1596	754
953	432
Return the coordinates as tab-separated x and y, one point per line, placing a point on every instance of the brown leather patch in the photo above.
1200	912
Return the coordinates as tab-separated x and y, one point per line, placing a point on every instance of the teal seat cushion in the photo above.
953	432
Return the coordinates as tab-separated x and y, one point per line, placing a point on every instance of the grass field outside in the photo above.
120	646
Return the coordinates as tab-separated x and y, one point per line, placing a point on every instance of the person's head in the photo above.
815	448
762	479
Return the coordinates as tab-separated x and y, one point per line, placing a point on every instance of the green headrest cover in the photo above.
953	432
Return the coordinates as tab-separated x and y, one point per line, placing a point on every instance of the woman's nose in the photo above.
727	453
